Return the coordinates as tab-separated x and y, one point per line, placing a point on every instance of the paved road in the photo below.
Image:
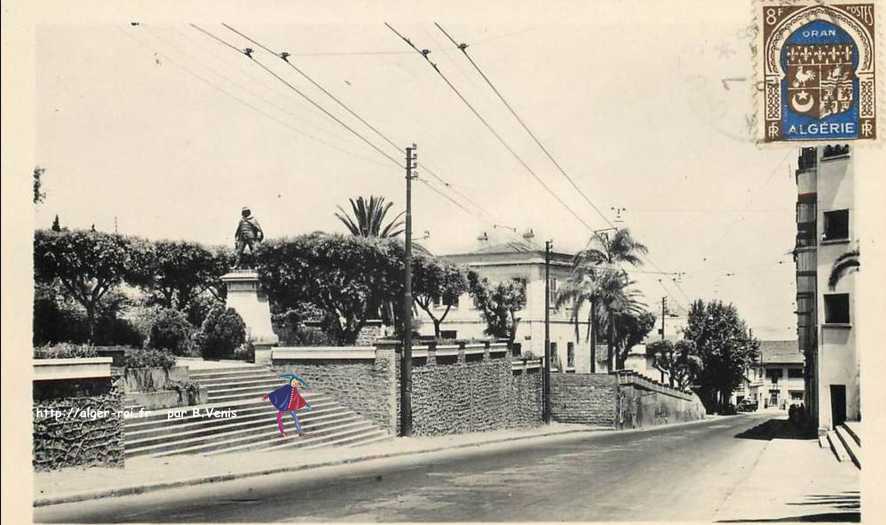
676	473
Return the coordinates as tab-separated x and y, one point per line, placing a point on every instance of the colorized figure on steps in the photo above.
288	399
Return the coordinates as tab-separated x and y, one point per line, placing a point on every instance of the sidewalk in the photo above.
795	480
144	474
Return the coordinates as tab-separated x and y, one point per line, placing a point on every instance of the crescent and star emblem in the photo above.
799	105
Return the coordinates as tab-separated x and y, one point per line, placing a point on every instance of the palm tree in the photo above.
581	288
848	262
595	280
612	251
618	299
368	218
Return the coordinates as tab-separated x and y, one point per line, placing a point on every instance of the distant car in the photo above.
747	406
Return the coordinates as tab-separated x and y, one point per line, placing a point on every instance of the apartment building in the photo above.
826	310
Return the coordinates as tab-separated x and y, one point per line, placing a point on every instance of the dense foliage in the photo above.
724	346
64	351
679	361
499	304
349	278
87	265
222	332
171	331
436	281
149	359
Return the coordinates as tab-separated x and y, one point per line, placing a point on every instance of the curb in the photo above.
142	489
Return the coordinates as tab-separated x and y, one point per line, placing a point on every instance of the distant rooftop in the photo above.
780	352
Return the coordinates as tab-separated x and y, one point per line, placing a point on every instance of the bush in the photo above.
171	331
245	352
223	330
64	351
149	359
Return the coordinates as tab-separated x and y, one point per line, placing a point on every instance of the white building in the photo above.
522	261
826	219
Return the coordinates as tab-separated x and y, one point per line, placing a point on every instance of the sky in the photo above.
169	133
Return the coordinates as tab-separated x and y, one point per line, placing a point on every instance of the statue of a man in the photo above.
248	233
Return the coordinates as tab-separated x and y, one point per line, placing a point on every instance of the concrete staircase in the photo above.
235	418
845	442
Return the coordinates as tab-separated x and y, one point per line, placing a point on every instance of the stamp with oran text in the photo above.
816	71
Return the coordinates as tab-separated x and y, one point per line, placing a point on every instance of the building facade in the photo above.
776	380
523	262
826	311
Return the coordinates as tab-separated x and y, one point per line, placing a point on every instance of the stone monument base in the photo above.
246	298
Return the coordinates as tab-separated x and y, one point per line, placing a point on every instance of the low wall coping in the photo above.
323	353
72	368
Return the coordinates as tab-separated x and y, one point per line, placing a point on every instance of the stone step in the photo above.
163	414
258	436
227	373
259	390
312	440
185	437
382	436
271	382
371	435
854	429
176	427
837	446
852	448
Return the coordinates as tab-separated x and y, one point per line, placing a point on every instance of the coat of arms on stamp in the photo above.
818	71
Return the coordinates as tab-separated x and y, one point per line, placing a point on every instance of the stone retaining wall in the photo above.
77	423
622	400
588	399
365	385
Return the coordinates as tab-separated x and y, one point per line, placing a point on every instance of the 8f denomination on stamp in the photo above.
817	67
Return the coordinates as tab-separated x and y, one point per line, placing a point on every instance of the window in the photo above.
796	395
553	290
795	373
836	308
773	374
570	355
836	225
448	334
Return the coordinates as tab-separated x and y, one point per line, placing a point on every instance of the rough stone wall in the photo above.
588	399
370	333
639	406
473	397
364	386
620	401
77	430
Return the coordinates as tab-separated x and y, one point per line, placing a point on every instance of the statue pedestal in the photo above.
252	305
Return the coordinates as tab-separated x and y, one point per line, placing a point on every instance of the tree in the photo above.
88	265
604	250
434	281
594	280
171	331
177	273
368	218
56	226
39	194
844	264
631	328
619	301
499	304
679	361
347	277
222	331
724	346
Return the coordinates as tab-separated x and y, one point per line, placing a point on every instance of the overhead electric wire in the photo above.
284	56
245	103
463	49
488	126
248	54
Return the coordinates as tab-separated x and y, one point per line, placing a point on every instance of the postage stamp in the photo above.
817	78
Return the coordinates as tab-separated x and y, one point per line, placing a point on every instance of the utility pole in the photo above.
406	362
547	376
664	309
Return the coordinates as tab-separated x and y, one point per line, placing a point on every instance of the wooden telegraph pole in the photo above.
406	361
547	376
